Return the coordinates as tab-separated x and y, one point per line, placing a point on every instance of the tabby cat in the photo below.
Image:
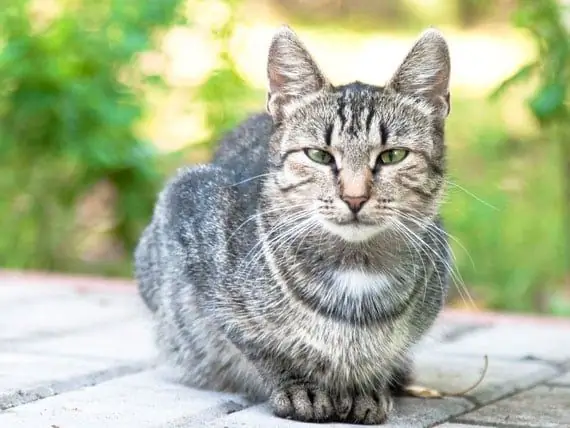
303	263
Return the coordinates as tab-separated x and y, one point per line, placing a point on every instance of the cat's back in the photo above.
187	234
242	152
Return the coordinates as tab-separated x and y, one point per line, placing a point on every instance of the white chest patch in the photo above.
355	283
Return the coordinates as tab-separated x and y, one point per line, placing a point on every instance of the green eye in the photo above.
319	156
393	156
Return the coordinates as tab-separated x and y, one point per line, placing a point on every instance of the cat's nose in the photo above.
355	203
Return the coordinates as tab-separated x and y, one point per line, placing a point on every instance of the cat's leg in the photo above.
366	409
402	382
294	394
401	377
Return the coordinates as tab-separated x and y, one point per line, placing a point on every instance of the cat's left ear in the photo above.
424	73
292	74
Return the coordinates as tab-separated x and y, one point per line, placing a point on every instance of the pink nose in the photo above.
355	202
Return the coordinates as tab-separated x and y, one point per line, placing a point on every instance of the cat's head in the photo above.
359	159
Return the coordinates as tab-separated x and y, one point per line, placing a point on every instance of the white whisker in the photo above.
477	198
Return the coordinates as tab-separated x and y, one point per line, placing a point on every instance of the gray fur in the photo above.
258	281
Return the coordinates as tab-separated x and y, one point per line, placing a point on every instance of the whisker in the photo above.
254	178
258	214
274	235
477	198
455	274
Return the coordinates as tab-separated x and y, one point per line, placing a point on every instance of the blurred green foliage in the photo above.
504	210
71	99
67	121
548	24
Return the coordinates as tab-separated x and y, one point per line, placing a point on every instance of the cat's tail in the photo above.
147	272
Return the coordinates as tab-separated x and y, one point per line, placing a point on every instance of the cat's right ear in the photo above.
424	73
292	74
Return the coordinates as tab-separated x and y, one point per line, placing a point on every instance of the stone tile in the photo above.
562	380
55	316
127	341
420	413
445	330
408	413
541	407
455	373
521	341
142	400
24	377
18	294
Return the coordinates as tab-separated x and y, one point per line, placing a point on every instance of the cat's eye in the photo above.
392	156
319	156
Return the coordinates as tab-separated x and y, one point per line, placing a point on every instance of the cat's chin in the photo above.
352	232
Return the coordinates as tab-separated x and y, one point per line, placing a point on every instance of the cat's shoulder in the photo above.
197	190
253	132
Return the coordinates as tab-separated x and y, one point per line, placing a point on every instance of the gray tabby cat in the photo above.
305	261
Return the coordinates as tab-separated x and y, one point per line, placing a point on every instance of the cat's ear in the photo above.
424	73
292	73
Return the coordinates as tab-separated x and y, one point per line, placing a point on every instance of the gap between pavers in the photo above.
143	400
452	425
540	407
452	373
563	380
29	377
547	342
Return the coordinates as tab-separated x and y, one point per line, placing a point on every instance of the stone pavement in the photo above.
78	352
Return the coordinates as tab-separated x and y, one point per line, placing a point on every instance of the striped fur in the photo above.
261	279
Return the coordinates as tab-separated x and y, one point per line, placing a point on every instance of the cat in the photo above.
304	262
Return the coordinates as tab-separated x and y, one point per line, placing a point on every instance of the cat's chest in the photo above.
355	283
350	353
339	338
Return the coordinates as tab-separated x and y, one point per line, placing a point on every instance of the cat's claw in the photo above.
370	409
302	403
312	404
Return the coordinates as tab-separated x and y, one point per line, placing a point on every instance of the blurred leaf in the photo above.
520	75
548	102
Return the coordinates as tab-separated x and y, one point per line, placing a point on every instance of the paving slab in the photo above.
516	341
26	377
143	400
40	319
16	294
126	341
447	330
455	373
540	407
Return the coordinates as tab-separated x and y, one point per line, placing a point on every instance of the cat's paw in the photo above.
370	409
303	403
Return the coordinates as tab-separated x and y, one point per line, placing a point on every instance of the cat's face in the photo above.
359	159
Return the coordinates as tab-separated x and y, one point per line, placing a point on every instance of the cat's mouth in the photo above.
352	229
355	222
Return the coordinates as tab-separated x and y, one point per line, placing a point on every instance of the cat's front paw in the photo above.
368	409
303	403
